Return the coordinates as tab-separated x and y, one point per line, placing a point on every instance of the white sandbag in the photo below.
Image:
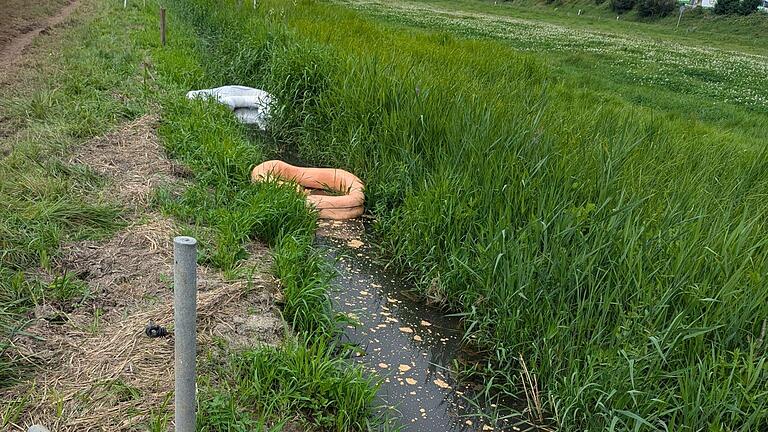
251	106
252	116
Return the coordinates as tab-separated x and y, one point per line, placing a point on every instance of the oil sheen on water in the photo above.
408	344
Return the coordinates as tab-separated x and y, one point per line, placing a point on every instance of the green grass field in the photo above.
593	202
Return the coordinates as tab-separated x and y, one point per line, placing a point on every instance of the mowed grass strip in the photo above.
698	26
620	252
76	86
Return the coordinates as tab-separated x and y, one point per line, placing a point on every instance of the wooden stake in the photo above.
162	26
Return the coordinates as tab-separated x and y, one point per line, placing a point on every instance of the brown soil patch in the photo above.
96	369
21	16
22	20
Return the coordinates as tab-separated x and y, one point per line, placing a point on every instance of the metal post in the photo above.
162	26
184	317
682	8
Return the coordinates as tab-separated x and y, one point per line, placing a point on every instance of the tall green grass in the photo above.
620	252
207	138
305	381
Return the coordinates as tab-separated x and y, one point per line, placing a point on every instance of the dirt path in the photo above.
95	367
11	51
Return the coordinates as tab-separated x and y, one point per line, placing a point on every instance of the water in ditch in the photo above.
409	344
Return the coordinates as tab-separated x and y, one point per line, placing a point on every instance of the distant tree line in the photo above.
662	8
645	8
736	7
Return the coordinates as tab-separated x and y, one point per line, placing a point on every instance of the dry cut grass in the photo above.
95	367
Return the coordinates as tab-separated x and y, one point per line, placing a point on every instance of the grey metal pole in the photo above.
185	317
